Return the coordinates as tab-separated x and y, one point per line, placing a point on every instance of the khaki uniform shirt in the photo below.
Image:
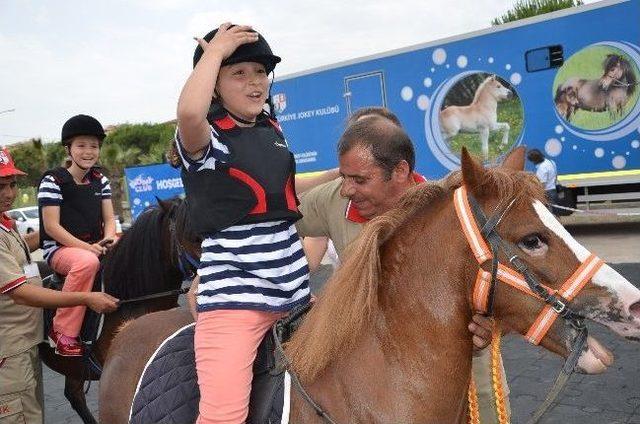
327	214
20	326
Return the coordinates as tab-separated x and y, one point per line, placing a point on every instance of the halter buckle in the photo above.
559	306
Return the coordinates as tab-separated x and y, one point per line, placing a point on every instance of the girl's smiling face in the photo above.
85	150
244	88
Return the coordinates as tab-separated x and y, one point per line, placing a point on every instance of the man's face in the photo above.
8	192
366	185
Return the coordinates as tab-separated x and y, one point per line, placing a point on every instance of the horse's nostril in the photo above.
634	310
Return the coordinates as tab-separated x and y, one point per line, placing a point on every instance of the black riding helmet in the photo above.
81	125
258	52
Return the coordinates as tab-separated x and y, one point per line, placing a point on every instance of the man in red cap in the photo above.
21	297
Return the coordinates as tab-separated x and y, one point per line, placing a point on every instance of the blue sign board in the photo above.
542	69
145	183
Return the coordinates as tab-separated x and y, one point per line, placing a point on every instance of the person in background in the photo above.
547	173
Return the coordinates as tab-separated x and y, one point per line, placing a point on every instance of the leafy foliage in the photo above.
126	145
528	8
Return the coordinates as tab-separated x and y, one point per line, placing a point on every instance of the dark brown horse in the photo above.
387	340
146	260
610	92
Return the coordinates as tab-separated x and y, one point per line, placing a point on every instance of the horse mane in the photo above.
136	266
350	299
480	89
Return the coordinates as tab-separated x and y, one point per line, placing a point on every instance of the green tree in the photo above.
130	145
527	8
29	157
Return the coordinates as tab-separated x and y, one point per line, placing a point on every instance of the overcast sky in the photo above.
126	60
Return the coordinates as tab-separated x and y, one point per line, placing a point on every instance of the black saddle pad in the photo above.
168	388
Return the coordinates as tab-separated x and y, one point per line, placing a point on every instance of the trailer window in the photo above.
544	58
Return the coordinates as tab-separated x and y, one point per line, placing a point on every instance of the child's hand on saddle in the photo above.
481	327
101	302
97	249
227	40
107	243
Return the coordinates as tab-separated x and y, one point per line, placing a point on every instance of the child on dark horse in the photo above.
77	223
238	175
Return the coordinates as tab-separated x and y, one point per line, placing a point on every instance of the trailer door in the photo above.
364	90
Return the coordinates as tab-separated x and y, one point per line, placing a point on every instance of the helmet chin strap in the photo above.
76	163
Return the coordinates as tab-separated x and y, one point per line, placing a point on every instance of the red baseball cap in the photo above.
7	167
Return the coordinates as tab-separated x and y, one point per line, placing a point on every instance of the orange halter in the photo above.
556	301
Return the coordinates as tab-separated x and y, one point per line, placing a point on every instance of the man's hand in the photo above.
482	328
101	302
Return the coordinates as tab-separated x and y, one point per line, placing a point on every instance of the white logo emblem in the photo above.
279	102
4	159
140	184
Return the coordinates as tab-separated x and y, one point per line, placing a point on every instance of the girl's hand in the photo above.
97	249
227	39
192	294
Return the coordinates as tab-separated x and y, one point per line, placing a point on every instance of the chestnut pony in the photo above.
387	341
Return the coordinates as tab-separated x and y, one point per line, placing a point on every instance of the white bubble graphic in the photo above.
635	144
433	69
423	102
427	82
619	162
136	201
574	147
516	78
559	129
490	60
562	138
599	152
462	61
146	204
439	56
447	66
406	93
553	147
507	66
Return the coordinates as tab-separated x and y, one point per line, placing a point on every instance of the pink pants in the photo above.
80	266
226	342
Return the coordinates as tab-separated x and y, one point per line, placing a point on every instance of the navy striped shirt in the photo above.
255	266
50	194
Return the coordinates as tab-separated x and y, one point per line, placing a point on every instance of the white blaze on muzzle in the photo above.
623	293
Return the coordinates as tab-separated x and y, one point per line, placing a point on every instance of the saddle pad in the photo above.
168	392
168	388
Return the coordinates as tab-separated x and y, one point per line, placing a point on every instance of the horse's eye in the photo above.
533	244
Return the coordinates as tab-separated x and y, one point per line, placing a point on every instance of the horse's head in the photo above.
555	258
495	88
182	245
613	70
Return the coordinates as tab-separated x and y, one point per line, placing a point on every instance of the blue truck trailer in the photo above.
564	82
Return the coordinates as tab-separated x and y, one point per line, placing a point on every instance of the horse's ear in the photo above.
163	205
515	159
472	171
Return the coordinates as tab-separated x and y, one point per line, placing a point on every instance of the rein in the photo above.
187	265
471	216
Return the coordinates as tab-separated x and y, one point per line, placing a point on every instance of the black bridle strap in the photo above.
176	292
563	377
286	363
